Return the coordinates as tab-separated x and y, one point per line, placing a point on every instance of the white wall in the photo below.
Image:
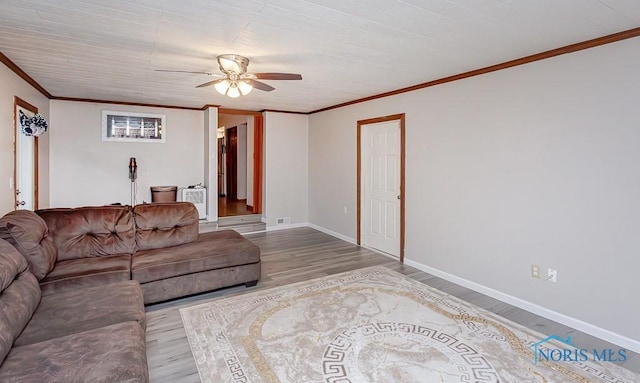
88	171
537	164
231	120
11	85
286	169
211	161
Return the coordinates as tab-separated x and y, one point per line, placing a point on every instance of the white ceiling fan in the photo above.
235	80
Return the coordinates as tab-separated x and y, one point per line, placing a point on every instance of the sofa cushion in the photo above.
90	231
109	354
167	224
213	250
28	233
87	272
80	310
19	296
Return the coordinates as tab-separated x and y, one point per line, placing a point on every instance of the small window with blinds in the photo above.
133	127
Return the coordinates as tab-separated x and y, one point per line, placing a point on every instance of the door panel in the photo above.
376	218
392	229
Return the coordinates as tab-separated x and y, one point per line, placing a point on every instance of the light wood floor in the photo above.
228	208
296	255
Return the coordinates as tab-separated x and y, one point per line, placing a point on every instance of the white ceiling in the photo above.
344	49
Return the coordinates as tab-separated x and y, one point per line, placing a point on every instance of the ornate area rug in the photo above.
375	325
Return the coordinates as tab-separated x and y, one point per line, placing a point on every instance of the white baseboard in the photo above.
604	334
284	227
306	224
332	233
588	328
278	227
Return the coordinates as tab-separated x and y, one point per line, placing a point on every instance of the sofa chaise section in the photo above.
172	260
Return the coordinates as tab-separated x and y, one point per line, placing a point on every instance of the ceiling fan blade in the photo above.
186	71
209	83
278	76
259	85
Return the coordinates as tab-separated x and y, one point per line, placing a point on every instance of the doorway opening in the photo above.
380	184
240	148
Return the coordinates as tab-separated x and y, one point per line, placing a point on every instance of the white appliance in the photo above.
198	197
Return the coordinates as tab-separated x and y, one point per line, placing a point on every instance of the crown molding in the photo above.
284	111
615	37
128	103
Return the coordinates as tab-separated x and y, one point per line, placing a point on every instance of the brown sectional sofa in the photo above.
156	244
73	311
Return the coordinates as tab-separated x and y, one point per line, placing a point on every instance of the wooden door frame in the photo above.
18	102
394	117
221	164
231	158
258	150
257	163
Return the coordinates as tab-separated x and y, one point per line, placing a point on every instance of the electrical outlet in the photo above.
346	210
553	275
535	271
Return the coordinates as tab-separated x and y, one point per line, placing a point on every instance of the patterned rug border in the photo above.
455	309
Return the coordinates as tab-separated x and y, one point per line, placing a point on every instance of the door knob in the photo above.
21	203
398	196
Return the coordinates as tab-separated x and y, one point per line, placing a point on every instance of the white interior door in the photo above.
381	186
25	160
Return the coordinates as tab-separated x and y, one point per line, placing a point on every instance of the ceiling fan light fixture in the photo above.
222	86
232	63
237	81
233	91
244	87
